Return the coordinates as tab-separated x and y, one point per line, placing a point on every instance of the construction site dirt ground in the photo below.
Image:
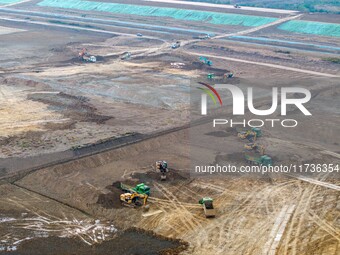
53	104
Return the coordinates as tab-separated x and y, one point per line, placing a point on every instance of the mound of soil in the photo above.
110	200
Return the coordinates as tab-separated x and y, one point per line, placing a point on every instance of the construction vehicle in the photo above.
140	189
84	56
162	167
125	56
255	159
202	37
208	207
133	199
255	147
256	130
249	135
205	61
212	76
176	45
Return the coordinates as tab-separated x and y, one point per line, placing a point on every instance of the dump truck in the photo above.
208	207
255	159
139	188
133	199
205	61
176	45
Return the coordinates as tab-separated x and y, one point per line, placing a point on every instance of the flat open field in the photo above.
71	130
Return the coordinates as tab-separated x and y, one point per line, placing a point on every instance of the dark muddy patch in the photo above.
129	242
76	108
218	134
112	199
151	176
237	157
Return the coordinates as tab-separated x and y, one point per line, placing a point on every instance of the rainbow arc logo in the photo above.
209	90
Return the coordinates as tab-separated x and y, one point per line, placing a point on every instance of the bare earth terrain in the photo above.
70	131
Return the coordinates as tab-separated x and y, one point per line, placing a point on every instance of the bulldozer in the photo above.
255	147
133	199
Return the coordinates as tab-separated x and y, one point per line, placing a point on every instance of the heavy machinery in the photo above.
176	45
133	199
255	147
255	159
125	56
208	207
162	167
212	76
205	61
250	135
84	56
202	36
139	188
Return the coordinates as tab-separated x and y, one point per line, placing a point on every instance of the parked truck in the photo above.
208	207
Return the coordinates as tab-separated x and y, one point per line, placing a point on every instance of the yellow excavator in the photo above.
133	199
255	147
249	135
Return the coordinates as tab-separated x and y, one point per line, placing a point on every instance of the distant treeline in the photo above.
328	6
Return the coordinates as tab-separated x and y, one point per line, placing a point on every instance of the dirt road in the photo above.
269	65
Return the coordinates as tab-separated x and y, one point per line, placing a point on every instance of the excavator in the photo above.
255	147
249	135
84	56
212	76
162	167
133	199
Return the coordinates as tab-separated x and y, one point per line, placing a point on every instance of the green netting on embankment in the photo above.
180	14
311	27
